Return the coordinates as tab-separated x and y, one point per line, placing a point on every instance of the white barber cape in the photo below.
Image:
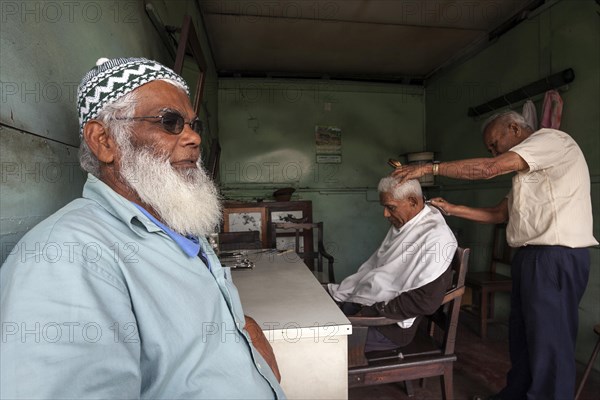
410	257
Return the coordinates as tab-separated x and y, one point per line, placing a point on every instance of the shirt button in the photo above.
258	366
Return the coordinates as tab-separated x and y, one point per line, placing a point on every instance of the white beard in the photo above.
188	203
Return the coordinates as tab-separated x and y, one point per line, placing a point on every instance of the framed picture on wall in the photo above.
287	242
286	216
240	219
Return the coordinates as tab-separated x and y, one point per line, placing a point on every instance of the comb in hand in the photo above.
394	163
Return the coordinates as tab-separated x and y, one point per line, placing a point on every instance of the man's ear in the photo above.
412	200
515	129
99	141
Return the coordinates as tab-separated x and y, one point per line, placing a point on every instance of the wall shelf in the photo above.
550	82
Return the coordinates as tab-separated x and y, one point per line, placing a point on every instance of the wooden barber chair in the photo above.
430	354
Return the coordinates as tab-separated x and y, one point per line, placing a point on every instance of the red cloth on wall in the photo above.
552	110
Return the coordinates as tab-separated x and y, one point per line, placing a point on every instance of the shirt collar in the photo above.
133	215
190	245
118	206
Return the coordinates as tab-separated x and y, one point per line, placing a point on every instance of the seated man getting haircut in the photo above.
407	276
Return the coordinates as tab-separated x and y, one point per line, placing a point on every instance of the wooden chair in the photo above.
487	283
431	353
229	241
306	231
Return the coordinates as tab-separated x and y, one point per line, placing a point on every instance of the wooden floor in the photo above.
480	370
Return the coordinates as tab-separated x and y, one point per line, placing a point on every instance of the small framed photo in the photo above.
240	219
284	216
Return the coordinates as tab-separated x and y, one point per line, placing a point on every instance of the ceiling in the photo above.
392	40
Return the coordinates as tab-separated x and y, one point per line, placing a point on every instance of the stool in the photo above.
487	283
590	364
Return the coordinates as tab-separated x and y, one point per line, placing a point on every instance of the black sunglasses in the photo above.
172	122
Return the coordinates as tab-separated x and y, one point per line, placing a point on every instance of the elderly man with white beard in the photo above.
407	276
117	295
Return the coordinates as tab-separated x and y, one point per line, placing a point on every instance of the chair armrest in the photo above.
372	321
452	294
330	261
382	321
328	256
325	254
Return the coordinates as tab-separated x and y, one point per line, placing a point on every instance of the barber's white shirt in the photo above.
550	204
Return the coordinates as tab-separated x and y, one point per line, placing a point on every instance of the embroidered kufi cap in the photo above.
110	80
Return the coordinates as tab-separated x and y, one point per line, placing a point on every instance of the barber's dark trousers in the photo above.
548	283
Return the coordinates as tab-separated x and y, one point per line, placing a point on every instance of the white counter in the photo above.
307	330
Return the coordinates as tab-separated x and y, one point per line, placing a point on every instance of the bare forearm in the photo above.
486	215
489	215
471	169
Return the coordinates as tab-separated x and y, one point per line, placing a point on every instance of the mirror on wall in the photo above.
191	64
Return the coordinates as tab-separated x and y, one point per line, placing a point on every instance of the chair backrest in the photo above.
501	251
446	317
239	240
303	236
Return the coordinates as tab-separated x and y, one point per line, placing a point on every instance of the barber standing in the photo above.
549	214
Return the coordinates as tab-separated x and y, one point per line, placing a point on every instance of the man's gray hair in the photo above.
392	185
507	116
119	129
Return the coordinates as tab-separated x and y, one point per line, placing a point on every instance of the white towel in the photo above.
408	258
530	114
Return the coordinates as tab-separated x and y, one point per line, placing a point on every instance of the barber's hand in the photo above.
262	345
442	205
406	172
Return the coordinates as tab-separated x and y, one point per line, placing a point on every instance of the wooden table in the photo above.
307	330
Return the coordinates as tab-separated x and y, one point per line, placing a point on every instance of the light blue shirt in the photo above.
97	301
190	246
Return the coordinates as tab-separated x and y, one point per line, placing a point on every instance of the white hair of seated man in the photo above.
389	184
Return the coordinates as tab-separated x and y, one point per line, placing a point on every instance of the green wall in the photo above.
566	35
45	49
267	132
266	127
